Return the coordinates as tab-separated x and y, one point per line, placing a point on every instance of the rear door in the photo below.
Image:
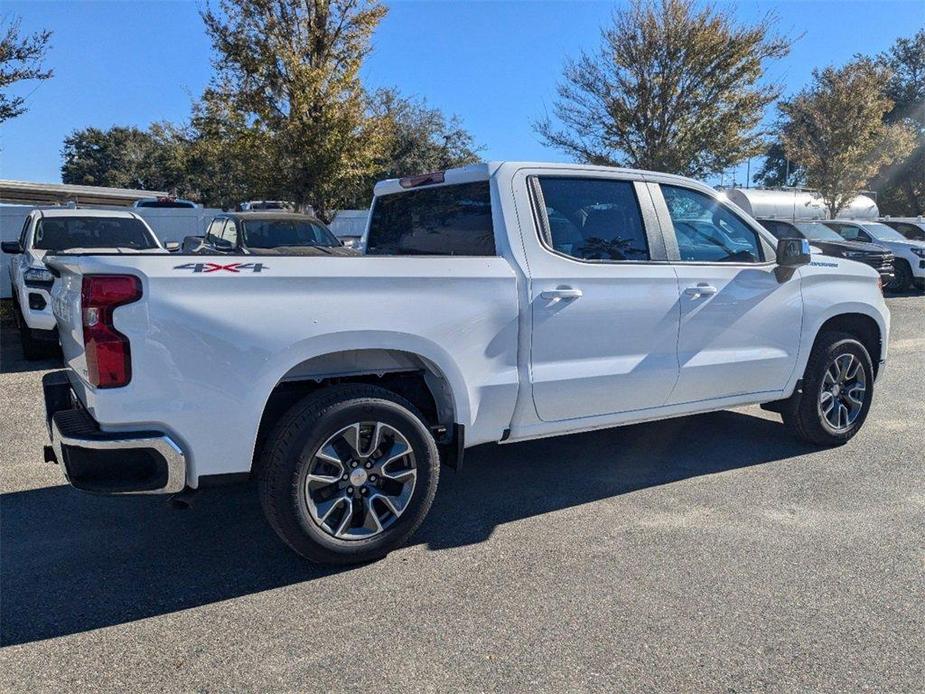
741	318
603	299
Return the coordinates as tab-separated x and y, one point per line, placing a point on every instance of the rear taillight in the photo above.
109	359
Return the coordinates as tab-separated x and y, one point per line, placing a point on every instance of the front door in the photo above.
741	317
605	311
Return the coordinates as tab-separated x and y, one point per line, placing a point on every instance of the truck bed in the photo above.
211	337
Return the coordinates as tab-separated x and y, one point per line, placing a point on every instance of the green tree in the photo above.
118	157
673	87
417	138
287	90
901	185
777	170
128	157
834	129
20	59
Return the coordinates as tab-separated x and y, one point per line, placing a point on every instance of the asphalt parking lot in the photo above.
707	553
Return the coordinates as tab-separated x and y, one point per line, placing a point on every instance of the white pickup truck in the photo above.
64	230
496	303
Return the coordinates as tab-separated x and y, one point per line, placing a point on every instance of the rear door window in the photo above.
593	219
446	220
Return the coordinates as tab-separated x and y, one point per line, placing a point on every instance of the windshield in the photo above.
64	233
818	232
882	232
274	233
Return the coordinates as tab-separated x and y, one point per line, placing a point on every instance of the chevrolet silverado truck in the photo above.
496	303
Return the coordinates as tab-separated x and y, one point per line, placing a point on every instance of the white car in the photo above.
63	230
909	255
496	303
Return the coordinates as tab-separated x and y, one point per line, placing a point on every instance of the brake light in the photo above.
109	359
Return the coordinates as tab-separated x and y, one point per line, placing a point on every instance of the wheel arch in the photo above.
410	366
863	326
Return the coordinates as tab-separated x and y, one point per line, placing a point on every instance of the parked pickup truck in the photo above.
496	303
64	230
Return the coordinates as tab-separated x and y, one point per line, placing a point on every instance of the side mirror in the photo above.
192	244
172	246
793	252
11	247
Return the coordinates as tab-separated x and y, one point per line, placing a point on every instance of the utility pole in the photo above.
748	173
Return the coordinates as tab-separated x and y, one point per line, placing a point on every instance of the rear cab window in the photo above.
453	220
596	219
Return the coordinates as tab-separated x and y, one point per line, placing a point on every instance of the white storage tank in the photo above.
796	205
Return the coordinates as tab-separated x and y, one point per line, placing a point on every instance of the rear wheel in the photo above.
837	390
348	474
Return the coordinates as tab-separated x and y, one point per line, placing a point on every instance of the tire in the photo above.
310	515
32	349
902	276
831	354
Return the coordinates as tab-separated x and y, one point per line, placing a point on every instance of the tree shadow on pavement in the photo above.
72	562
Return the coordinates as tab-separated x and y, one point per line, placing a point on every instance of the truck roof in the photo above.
83	212
484	170
269	214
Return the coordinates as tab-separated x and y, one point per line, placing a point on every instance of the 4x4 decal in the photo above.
215	267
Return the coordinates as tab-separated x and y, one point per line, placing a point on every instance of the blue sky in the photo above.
494	64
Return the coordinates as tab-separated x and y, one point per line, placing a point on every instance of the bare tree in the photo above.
673	87
288	73
834	129
20	59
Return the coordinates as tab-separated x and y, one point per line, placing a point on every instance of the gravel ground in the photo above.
707	553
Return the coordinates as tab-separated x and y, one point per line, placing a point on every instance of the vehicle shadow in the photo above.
72	562
11	358
911	293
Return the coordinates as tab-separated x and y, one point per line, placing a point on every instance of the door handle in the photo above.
561	293
702	289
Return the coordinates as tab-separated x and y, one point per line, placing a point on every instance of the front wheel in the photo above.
902	276
32	349
348	474
838	386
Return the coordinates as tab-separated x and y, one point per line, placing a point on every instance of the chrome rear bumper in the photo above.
136	462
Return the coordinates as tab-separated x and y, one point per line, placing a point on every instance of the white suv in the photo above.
909	256
64	230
